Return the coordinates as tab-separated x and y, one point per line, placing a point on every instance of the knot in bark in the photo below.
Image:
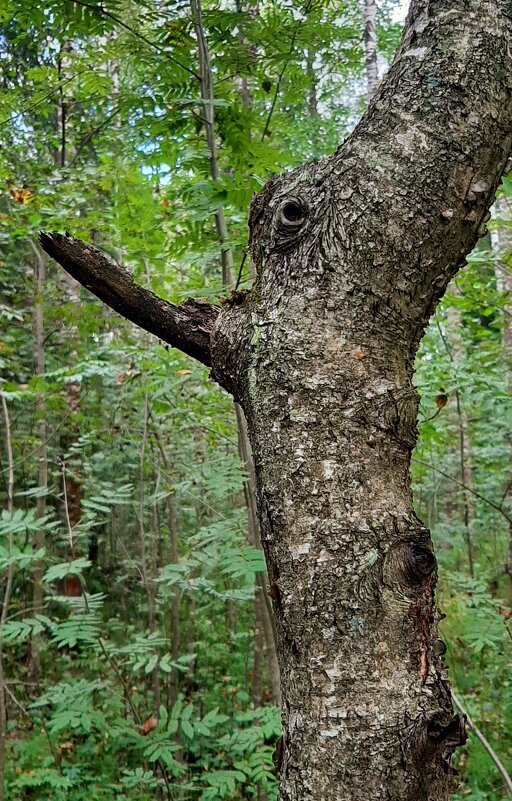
409	565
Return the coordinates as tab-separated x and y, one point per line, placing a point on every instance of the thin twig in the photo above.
137	34
36	103
85	141
283	70
465	486
50	437
66	508
486	744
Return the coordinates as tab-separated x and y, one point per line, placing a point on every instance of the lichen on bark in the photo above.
352	254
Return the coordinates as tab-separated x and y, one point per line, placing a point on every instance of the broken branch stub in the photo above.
187	326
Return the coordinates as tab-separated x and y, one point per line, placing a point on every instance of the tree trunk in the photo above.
42	461
352	254
501	239
370	47
456	355
7	589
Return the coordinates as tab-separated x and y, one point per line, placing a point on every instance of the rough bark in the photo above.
352	254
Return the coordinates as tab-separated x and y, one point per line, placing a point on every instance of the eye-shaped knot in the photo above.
419	562
409	565
290	216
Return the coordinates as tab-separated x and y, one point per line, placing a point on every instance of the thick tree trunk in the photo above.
352	254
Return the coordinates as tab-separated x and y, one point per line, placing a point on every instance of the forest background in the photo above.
136	643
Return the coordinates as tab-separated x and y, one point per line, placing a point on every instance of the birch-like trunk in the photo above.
370	46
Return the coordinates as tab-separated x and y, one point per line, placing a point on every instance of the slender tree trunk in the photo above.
42	463
206	86
71	467
246	9
146	572
173	557
501	238
265	645
455	352
265	630
352	254
370	47
313	83
7	594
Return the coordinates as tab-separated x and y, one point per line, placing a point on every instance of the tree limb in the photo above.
187	327
426	158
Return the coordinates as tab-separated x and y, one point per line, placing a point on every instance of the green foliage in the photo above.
462	488
143	686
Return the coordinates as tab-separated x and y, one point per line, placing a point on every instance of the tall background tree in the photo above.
153	445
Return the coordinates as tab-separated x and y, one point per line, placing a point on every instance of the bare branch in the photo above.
486	744
187	326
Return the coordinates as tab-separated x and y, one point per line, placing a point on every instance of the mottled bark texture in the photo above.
352	254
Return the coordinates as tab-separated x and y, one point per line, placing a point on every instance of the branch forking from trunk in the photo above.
187	327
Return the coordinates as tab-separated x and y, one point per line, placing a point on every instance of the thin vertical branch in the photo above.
466	468
501	241
486	744
61	113
206	84
7	593
264	615
313	83
155	674
174	558
263	611
42	461
152	572
370	47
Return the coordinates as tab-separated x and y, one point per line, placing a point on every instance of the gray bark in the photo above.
352	255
